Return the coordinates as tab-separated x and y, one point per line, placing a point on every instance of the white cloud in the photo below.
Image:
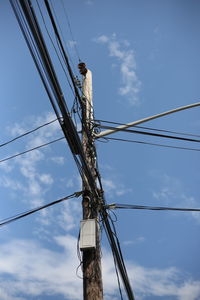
59	160
172	193
138	240
70	215
89	2
162	282
12	184
131	85
33	270
74	182
36	271
31	181
113	188
46	178
6	166
72	44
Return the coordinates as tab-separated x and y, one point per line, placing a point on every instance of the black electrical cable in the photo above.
33	50
149	128
67	124
52	42
34	210
150	133
32	149
70	29
115	263
27	132
62	35
151	144
76	137
132	206
117	254
63	51
38	62
63	107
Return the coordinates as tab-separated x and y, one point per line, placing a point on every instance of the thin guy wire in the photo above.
34	210
151	144
33	50
55	47
27	132
70	29
32	149
68	52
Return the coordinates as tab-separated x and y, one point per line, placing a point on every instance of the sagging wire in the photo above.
70	29
28	132
34	210
79	258
56	51
62	35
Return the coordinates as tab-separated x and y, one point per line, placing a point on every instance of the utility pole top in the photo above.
82	68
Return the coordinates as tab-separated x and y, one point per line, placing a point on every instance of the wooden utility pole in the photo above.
92	276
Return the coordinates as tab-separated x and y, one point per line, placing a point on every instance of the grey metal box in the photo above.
88	234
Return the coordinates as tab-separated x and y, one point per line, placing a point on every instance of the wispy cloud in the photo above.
114	188
136	241
6	166
33	183
125	56
172	192
31	180
33	270
59	160
89	2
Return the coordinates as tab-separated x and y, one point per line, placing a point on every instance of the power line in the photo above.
28	132
56	51
34	50
62	35
117	254
34	210
67	124
34	38
151	144
70	29
32	149
151	134
132	206
149	128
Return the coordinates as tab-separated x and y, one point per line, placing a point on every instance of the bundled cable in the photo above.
133	206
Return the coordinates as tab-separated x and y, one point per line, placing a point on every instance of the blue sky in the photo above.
144	56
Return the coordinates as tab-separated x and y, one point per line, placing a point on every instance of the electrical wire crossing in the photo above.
148	128
34	210
152	117
33	35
